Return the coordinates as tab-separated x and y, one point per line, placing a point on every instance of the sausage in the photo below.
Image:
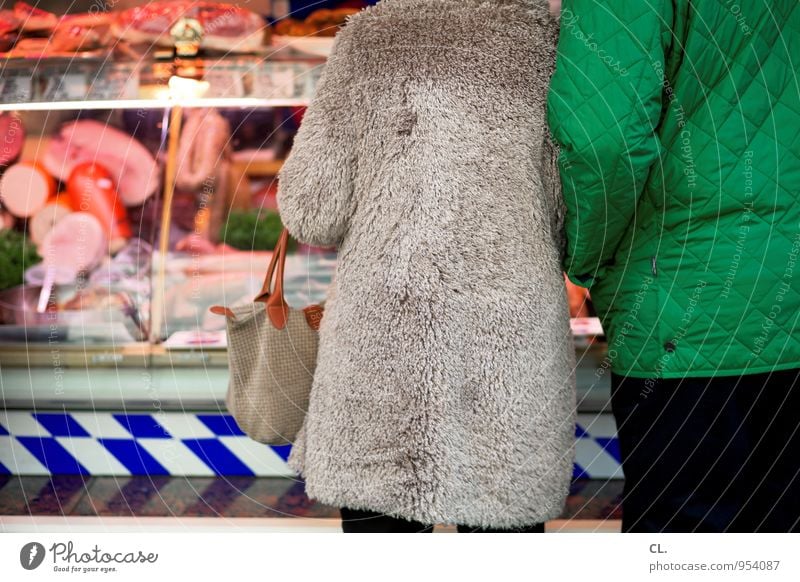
25	188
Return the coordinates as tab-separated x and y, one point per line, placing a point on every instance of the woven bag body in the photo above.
272	354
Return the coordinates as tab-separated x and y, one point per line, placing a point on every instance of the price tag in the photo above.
275	82
313	75
114	82
15	87
224	82
65	87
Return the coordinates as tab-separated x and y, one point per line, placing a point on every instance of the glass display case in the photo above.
139	195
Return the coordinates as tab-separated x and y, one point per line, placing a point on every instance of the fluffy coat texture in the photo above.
444	389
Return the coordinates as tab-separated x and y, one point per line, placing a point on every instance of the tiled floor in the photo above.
592	504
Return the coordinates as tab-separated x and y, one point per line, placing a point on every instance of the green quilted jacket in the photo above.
679	128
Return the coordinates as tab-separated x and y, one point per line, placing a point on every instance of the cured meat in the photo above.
12	138
74	39
25	188
8	22
33	19
133	168
225	27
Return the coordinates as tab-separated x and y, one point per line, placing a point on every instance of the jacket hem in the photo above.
704	373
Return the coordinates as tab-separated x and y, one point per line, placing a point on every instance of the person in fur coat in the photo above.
444	390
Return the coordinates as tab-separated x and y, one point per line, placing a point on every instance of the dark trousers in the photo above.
710	454
357	521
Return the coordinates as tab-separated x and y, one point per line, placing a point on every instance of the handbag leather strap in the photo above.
271	293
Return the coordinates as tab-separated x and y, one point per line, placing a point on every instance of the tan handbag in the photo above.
272	353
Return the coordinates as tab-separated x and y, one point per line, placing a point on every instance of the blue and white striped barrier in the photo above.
195	444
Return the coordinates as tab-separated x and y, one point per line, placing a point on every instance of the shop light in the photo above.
182	89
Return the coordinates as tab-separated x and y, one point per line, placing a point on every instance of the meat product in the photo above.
86	20
8	22
132	167
74	39
12	138
225	27
25	188
45	219
91	189
76	243
33	19
204	143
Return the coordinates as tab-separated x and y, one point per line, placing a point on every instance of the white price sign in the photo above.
224	82
15	87
66	87
275	82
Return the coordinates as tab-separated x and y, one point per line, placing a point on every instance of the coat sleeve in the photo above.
604	104
315	184
551	183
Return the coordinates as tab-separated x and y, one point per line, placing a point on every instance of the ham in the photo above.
25	188
132	167
226	27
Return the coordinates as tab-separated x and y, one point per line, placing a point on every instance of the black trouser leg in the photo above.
536	528
684	446
774	505
359	521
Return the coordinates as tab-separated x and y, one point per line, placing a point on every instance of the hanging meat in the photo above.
225	27
203	165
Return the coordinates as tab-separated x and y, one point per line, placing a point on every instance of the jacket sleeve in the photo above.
315	184
604	104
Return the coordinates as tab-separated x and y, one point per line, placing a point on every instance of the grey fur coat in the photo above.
444	389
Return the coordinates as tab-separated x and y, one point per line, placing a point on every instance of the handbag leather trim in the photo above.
313	315
222	310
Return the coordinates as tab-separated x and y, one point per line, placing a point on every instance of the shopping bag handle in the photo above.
271	293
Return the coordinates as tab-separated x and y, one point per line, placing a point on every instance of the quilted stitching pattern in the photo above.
683	199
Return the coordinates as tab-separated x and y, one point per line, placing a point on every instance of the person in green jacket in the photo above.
679	129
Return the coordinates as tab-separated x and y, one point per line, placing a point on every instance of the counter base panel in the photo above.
197	444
